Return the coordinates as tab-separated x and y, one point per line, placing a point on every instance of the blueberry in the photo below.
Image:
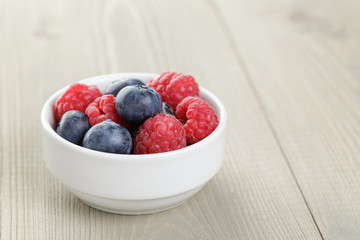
73	126
135	104
167	109
115	87
108	136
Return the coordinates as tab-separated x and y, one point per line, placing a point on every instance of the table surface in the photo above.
288	73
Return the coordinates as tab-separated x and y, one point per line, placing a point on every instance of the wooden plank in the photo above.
45	45
303	59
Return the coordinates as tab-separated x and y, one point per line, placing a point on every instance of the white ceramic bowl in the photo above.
132	184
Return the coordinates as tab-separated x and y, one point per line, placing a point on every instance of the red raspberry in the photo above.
103	108
174	87
161	133
77	97
199	118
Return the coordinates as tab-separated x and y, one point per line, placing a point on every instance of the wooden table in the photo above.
287	71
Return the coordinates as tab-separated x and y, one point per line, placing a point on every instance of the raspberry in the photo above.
161	133
199	118
174	87
77	97
103	108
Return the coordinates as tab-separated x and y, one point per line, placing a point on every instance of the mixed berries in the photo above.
132	117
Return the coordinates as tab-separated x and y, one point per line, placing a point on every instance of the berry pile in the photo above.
132	117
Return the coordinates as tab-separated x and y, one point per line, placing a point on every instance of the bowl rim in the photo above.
46	125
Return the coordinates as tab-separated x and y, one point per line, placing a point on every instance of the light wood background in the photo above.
287	71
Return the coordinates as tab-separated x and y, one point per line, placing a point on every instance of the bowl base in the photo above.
135	207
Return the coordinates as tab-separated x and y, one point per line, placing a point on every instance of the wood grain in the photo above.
45	45
302	58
